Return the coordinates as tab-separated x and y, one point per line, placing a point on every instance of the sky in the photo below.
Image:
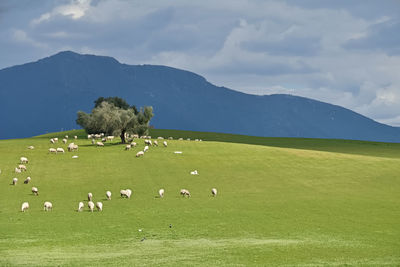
341	52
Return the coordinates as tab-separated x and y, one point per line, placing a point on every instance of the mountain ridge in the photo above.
67	82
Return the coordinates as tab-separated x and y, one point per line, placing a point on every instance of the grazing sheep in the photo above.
104	140
90	205
60	149
14	181
155	143
89	196
110	138
194	172
64	141
75	137
180	139
165	143
55	140
66	137
52	141
52	150
35	191
22	167
72	147
80	206
133	144
160	138
23	160
47	206
17	170
146	148
90	136
161	193
135	136
93	141
97	136
25	206
31	147
140	153
170	138
27	180
99	144
126	193
185	192
188	139
99	206
128	147
108	195
214	192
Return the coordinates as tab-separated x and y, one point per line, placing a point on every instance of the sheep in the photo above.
22	167
185	192
97	136
196	140
91	206
188	139
110	138
25	206
99	144
14	181
104	140
47	206
64	141
161	193
160	138
194	172
99	206
147	142
128	147
60	149
135	136
75	137
90	136
27	180
66	137
55	140
52	141
126	193
180	139
80	206
89	196
108	195
72	147
146	148
31	147
214	192
93	141
140	153
155	143
133	144
35	191
170	138
17	170
165	143
23	160
52	150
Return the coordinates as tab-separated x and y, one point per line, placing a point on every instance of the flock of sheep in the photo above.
125	193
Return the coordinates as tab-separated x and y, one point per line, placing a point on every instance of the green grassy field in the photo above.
281	201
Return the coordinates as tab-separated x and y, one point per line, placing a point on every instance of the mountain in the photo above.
44	96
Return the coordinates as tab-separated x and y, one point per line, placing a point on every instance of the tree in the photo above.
114	120
116	101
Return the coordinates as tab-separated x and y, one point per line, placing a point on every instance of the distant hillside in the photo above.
45	96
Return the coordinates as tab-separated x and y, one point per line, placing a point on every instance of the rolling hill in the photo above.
300	202
44	96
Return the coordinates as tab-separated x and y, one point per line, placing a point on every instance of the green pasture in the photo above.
281	201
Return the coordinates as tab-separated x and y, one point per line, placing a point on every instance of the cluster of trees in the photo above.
114	116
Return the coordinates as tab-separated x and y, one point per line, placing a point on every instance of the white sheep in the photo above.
66	137
165	143
72	147
17	170
140	153
90	196
160	138
14	181
148	142
194	172
31	147
64	141
35	191
22	167
52	141
214	192
27	180
24	160
180	139
80	206
47	206
133	144
99	206
108	195
135	136
128	147
155	143
60	149
170	138
52	150
55	139
185	192
146	148
110	138
161	193
75	137
93	141
91	206
126	193
25	206
100	144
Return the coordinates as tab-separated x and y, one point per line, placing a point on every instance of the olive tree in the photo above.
112	120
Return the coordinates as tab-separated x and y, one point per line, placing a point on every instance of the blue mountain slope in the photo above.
45	96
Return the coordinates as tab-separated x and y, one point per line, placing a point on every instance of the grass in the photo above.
281	201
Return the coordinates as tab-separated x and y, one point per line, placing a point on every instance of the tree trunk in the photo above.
123	136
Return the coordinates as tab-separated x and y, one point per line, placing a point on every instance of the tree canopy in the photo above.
115	119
